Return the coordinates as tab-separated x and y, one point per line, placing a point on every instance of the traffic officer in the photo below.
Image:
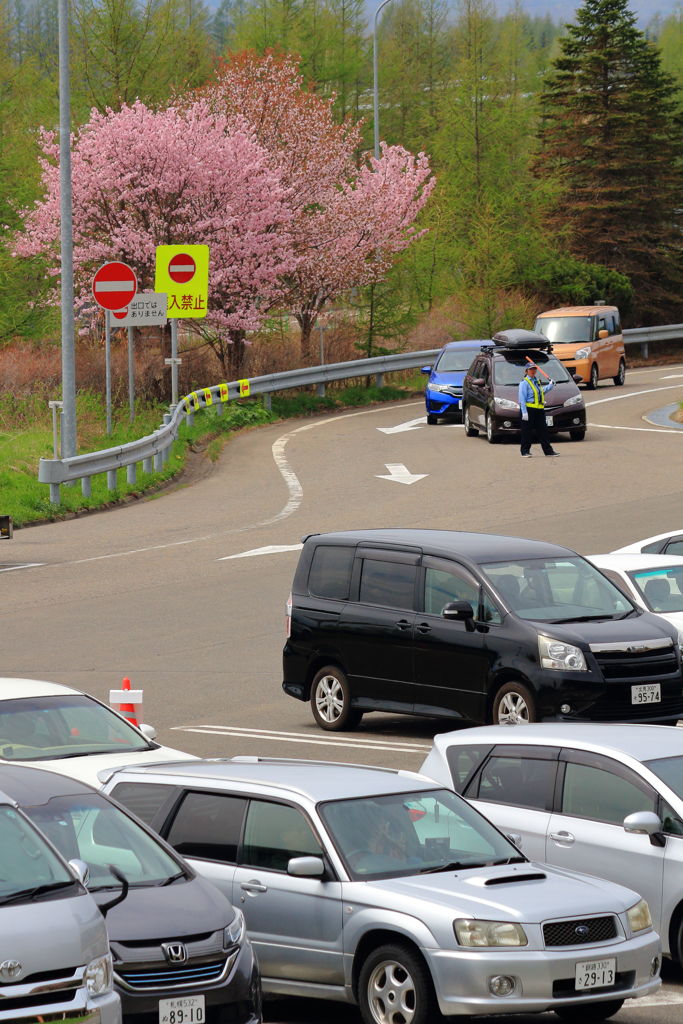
532	406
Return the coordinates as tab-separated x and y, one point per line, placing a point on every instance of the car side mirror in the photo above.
425	369
645	823
306	867
603	334
80	870
149	731
460	611
515	838
577	378
478	382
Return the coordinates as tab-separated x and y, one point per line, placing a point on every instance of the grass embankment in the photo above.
26	437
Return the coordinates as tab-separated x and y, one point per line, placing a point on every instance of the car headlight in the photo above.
574	400
506	403
680	640
582	353
234	933
639	917
559	655
489	933
98	976
438	387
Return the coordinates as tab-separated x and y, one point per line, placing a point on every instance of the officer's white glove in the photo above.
525	416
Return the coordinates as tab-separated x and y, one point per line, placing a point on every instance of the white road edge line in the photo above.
24	565
256	735
304	735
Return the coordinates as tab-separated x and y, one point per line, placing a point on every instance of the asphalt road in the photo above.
170	593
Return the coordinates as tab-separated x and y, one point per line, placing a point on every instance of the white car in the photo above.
655	582
52	726
670	543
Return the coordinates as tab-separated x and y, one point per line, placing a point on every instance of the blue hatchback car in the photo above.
443	394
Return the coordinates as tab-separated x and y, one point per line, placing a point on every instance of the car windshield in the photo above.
511	368
69	725
91	828
557	590
670	771
413	833
28	865
563	330
453	359
662	588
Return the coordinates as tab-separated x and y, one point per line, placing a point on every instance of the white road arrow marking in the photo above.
272	549
408	425
673	376
399	474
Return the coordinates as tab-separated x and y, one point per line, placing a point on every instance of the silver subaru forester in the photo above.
381	888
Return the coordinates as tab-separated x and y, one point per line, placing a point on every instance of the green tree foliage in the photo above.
612	135
670	39
123	50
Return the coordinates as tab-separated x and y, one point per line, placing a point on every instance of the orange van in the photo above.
588	340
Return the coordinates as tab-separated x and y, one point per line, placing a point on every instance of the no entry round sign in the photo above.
181	268
114	285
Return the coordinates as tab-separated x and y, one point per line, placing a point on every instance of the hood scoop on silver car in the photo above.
529	876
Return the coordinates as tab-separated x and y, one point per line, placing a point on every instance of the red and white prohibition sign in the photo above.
114	285
181	268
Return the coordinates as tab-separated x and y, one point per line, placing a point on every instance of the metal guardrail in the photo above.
153	450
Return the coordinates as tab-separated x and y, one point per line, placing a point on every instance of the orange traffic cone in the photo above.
128	710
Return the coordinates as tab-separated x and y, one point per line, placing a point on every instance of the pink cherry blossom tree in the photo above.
143	178
348	222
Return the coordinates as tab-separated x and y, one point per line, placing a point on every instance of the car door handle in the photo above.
403	624
563	838
253	886
424	627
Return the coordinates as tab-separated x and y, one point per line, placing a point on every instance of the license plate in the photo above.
646	693
596	973
185	1010
549	421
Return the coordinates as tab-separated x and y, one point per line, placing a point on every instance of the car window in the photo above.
330	574
661	589
391	584
274	833
674	547
520	781
26	859
591	792
145	801
208	825
509	370
463	762
565	329
671	821
443	586
670	771
453	359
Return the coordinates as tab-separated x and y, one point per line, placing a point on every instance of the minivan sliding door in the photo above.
376	630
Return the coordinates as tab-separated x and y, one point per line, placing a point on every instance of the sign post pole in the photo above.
174	363
131	372
107	365
69	443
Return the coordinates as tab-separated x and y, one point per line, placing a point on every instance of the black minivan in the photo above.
471	626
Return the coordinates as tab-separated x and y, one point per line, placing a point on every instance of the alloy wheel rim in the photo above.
513	710
329	698
489	427
594	376
391	994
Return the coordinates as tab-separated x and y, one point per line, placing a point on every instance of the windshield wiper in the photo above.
581	618
95	753
453	865
173	878
38	890
509	860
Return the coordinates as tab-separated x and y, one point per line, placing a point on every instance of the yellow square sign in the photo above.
182	271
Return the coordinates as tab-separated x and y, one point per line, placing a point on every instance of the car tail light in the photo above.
288	616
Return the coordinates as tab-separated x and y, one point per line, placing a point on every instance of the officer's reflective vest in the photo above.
539	397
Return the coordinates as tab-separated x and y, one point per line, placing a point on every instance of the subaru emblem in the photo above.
174	952
10	970
582	930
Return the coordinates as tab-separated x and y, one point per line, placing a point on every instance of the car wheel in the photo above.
470	431
432	419
593	379
578	435
590	1011
621	376
395	988
331	700
514	704
491	436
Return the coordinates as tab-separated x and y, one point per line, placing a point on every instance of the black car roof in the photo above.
31	786
478	547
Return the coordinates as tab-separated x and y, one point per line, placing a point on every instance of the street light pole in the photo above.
375	77
66	240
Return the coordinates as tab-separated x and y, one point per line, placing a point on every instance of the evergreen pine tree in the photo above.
612	134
